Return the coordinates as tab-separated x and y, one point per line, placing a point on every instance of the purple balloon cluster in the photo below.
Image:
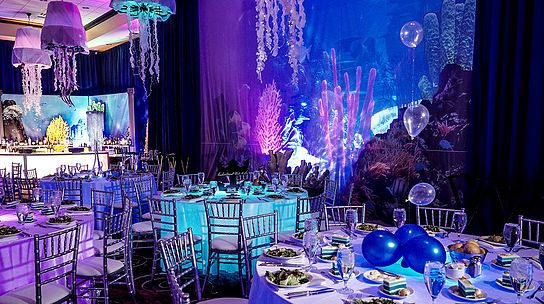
383	248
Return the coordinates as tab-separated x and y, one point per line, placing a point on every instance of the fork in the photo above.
540	288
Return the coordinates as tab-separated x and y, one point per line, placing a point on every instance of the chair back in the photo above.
72	189
9	191
129	190
530	231
102	204
31	174
439	217
49	249
168	179
47	195
248	176
294	180
262	227
329	190
193	177
308	207
178	254
224	218
16	169
335	215
163	217
25	186
144	187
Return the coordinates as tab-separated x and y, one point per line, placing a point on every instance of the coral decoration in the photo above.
340	133
292	12
57	131
267	128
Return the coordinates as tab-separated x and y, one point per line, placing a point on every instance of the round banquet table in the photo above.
191	214
263	293
97	183
17	252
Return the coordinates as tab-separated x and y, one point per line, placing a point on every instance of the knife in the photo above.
308	293
388	273
273	264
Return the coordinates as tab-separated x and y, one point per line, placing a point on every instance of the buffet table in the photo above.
17	252
47	163
262	292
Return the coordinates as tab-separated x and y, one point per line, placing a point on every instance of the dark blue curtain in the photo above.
174	104
507	142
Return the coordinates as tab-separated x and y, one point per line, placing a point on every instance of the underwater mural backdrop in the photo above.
332	85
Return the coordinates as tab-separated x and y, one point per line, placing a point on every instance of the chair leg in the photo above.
208	269
240	274
154	263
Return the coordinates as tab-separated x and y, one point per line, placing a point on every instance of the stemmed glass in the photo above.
345	261
284	182
310	243
213	187
399	217
187	184
435	278
78	167
351	218
311	224
459	222
36	193
22	213
200	176
521	272
275	182
256	175
62	169
56	199
247	187
511	233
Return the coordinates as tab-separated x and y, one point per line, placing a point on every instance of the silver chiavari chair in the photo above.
55	280
224	235
31	174
248	176
47	195
16	170
72	189
168	179
113	266
129	190
329	190
155	170
164	224
193	177
9	191
530	231
102	206
258	232
145	189
439	217
335	215
294	180
309	207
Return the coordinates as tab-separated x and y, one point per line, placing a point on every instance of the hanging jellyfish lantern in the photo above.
64	35
145	56
28	55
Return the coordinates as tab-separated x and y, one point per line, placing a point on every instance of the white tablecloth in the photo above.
264	293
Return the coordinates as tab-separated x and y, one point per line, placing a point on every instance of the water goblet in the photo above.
275	183
247	187
56	199
284	182
351	218
459	221
399	217
78	167
435	278
311	224
187	184
36	194
310	244
511	233
22	211
213	187
521	273
345	262
200	178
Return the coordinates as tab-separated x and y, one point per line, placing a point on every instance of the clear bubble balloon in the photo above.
411	34
415	119
422	194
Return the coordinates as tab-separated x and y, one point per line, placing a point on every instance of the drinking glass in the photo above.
256	175
399	217
213	187
459	221
284	182
36	193
22	213
275	182
201	178
345	261
187	184
247	187
311	224
435	278
56	199
511	234
521	272
63	169
310	244
541	254
78	167
351	219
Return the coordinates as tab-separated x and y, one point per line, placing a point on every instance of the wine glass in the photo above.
284	182
36	193
345	262
521	273
399	217
187	183
351	218
56	199
213	187
275	182
256	176
78	167
63	169
459	222
435	278
247	187
311	224
310	244
201	178
22	211
511	234
541	254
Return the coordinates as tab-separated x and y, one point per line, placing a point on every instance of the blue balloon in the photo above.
381	248
421	249
408	232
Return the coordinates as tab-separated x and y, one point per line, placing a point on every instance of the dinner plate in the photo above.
299	254
360	231
364	297
310	278
60	225
510	288
485	241
441	232
454	292
354	275
368	275
381	291
9	235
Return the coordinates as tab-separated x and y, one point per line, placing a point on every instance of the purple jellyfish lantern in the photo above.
148	13
64	35
28	55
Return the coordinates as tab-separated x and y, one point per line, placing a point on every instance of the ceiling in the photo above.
105	28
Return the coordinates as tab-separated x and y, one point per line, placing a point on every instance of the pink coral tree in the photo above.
267	127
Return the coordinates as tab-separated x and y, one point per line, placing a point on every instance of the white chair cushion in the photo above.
98	246
94	267
51	293
119	205
147	216
142	227
226	243
98	234
225	301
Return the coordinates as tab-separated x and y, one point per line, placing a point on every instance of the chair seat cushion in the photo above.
225	243
225	301
51	293
94	267
142	227
98	234
98	246
119	205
